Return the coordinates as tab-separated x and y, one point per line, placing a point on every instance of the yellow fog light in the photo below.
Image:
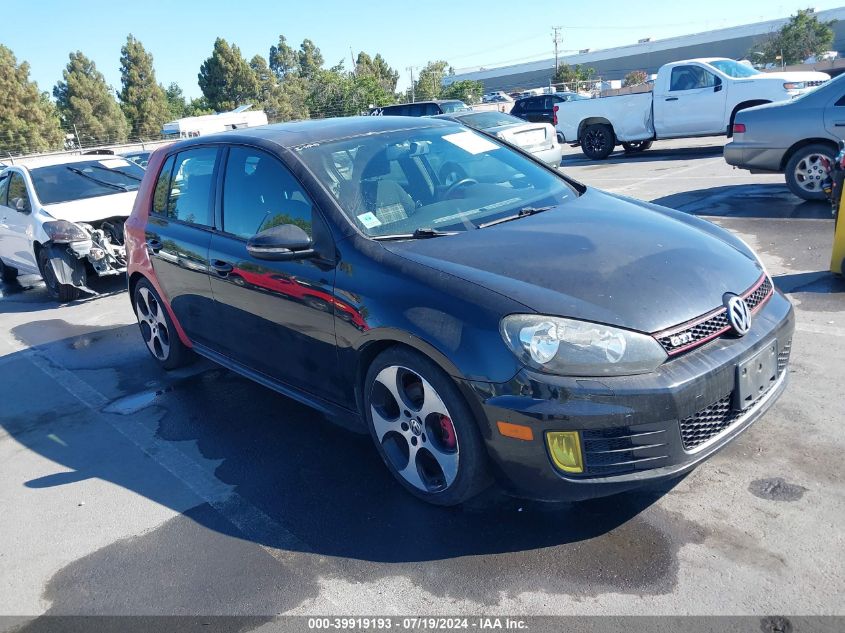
565	449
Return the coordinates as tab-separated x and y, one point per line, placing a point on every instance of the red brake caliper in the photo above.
448	432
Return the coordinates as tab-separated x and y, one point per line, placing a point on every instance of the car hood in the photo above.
797	75
598	258
91	209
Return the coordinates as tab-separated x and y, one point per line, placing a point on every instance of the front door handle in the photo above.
221	268
671	98
835	124
153	245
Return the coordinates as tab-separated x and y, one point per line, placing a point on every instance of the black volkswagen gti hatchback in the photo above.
482	316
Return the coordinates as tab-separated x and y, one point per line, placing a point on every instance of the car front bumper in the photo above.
630	427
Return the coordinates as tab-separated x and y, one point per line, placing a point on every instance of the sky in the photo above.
466	33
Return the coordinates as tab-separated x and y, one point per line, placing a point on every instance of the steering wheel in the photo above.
463	182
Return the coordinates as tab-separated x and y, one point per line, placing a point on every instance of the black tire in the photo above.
635	147
803	172
597	141
7	273
472	472
156	325
63	293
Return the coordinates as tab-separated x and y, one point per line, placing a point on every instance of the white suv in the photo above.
63	220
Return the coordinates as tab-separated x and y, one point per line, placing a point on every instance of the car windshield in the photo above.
85	179
734	69
485	120
442	178
453	106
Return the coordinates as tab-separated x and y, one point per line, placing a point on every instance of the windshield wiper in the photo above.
117	171
79	172
418	234
524	212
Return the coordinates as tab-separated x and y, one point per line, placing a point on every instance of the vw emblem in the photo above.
738	314
416	427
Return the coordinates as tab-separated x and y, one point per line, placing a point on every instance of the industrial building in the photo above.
648	55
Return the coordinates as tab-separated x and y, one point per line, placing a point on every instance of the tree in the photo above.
28	119
85	100
467	91
572	75
377	68
802	37
175	101
283	59
225	78
635	78
310	59
144	103
429	84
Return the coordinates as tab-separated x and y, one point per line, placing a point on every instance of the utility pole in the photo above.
352	57
556	39
410	69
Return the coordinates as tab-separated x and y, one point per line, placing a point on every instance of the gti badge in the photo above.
738	314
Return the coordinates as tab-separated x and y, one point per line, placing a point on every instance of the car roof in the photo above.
294	134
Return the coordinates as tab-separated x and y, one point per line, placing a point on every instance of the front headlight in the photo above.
794	85
579	348
63	232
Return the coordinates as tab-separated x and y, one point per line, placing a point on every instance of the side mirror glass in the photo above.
279	243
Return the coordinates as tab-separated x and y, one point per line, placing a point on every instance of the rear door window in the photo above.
190	194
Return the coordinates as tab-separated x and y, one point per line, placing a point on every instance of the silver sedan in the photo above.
797	138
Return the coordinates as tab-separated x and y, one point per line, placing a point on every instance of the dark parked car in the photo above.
541	109
421	108
513	325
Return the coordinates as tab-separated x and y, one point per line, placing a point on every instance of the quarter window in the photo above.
162	187
189	196
690	78
18	195
4	188
260	193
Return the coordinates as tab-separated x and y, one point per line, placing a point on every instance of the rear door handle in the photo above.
153	245
839	124
671	98
222	268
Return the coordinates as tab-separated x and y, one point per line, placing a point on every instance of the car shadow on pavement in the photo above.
323	488
29	294
821	282
656	153
764	200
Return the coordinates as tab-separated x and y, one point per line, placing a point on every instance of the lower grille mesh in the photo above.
712	420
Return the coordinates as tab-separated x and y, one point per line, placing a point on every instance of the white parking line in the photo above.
672	173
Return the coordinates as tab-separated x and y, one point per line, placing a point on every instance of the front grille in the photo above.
693	333
712	420
619	450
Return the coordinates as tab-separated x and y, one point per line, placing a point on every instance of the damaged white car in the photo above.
64	220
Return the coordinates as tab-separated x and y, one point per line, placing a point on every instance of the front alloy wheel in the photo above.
423	428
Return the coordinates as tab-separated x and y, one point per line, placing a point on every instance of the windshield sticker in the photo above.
111	163
369	220
471	142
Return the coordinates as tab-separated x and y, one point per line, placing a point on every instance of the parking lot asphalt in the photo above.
128	490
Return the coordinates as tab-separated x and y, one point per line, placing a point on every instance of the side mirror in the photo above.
718	85
22	205
280	243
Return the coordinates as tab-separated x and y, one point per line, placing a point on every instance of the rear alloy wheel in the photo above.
597	141
7	273
423	428
808	171
636	146
63	293
157	329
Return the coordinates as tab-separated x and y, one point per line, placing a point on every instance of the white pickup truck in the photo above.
695	97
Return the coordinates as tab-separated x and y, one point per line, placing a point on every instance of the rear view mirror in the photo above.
280	243
22	205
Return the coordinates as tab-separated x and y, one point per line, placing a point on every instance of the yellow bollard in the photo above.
837	260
